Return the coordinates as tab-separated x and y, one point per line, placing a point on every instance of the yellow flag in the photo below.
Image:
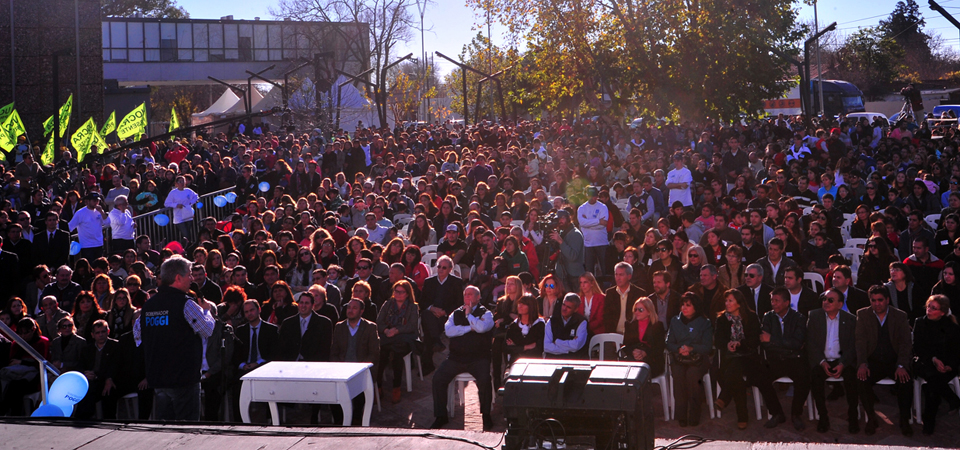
5	112
83	138
46	158
48	126
133	123
100	143
12	129
110	125
65	112
174	122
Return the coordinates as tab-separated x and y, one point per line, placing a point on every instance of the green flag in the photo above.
5	112
46	158
174	122
83	138
48	126
133	123
12	129
100	143
65	112
110	125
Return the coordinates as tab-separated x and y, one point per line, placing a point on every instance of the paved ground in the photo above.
415	410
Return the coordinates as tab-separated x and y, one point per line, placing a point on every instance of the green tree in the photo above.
166	9
694	58
870	60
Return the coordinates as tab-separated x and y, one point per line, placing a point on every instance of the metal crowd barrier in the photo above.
163	235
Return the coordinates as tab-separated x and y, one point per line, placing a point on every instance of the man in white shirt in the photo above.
593	217
89	223
117	190
122	226
182	200
678	181
375	231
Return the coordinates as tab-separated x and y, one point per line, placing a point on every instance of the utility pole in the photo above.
816	26
936	7
806	60
422	7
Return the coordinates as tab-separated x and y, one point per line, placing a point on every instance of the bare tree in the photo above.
388	22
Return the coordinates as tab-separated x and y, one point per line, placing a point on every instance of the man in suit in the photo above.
355	339
365	273
240	279
306	336
271	274
802	300
442	294
783	337
206	287
884	350
756	293
264	338
52	245
619	299
775	264
854	299
63	288
98	361
665	299
832	353
14	242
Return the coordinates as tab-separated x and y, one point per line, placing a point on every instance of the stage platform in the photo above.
79	435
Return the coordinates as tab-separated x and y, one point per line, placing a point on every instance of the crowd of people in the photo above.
471	247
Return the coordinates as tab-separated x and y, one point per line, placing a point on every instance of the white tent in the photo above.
239	108
217	109
354	106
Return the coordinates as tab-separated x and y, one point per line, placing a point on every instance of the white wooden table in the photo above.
308	382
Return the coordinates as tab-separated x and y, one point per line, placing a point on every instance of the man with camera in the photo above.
569	262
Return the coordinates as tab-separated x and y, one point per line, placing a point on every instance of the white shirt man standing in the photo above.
678	181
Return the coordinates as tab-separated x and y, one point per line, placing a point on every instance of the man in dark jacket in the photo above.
782	339
355	339
98	361
619	299
832	353
306	336
756	293
442	294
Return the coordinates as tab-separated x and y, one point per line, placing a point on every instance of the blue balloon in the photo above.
231	197
74	248
49	410
161	219
220	201
264	186
68	389
199	205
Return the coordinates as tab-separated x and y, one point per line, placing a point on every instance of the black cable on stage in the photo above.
684	442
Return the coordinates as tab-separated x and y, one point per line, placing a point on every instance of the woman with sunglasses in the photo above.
936	349
66	347
398	324
696	258
300	275
737	339
551	295
875	263
644	337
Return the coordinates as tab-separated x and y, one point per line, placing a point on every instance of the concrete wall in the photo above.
41	28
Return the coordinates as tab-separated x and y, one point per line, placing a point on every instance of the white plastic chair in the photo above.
816	413
408	367
847	218
601	339
707	390
917	383
427	249
889	382
430	260
816	281
932	220
855	243
787	380
402	220
516	223
853	255
458	388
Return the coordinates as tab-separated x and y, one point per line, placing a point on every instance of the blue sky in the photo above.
452	23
